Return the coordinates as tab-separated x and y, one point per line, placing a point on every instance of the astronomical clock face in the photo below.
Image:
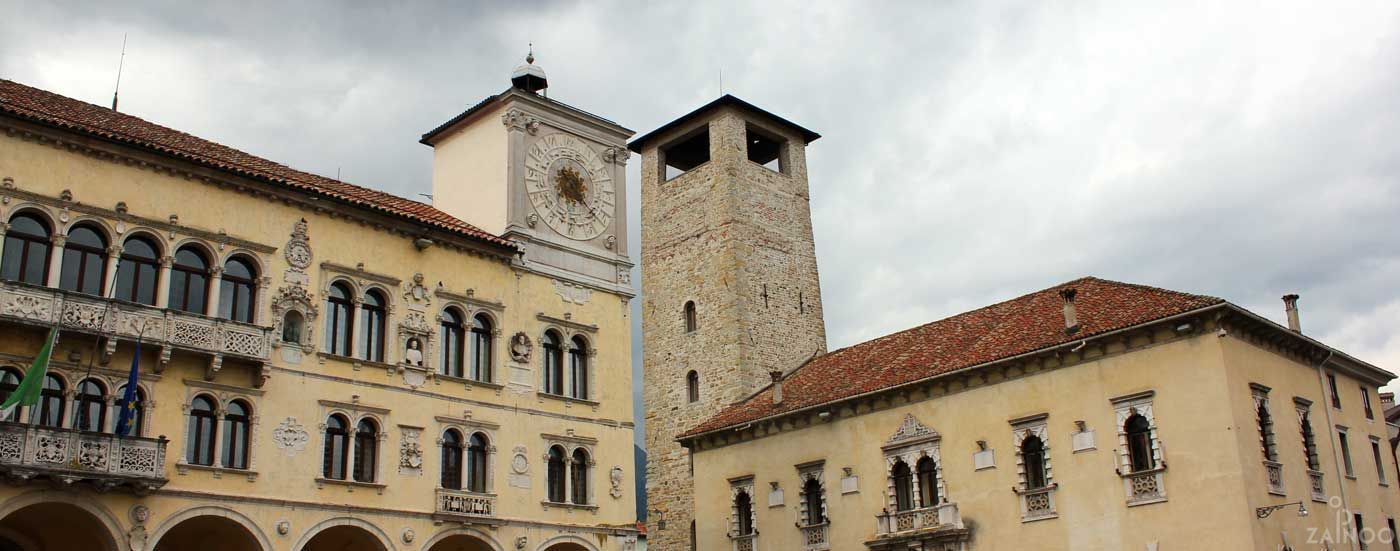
569	186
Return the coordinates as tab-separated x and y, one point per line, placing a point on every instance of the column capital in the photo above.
167	261
59	239
114	251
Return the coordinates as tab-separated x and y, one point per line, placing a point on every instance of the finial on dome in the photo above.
529	77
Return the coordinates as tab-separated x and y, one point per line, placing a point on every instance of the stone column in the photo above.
216	280
352	346
4	227
218	442
163	282
56	259
263	303
109	273
70	397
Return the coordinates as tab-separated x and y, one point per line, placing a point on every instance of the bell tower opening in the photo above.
686	153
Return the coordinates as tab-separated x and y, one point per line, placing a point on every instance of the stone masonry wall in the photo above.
735	238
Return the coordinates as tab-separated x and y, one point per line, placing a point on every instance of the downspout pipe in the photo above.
1332	429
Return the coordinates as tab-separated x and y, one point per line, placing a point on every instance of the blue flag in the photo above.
128	402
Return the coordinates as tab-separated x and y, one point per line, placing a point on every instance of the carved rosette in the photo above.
290	436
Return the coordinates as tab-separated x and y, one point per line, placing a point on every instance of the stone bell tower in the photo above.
730	273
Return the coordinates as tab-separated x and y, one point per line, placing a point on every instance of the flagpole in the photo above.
97	340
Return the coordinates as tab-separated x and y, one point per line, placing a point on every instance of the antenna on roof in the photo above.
120	62
721	81
428	195
337	174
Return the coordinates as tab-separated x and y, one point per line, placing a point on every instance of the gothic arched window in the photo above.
49	411
238	291
366	450
452	460
903	486
138	270
453	343
199	438
1139	434
236	421
84	261
1033	456
338	319
476	463
553	363
337	448
578	368
189	281
27	244
554	477
928	482
743	508
812	498
481	348
373	312
90	413
692	386
1266	432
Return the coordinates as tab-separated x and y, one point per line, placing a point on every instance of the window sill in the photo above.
1047	516
572	506
1350	476
357	363
1048	488
568	400
218	472
350	485
469	383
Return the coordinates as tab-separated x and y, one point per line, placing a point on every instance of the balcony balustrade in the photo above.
464	505
68	457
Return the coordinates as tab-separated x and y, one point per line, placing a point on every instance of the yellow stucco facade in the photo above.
1197	389
291	385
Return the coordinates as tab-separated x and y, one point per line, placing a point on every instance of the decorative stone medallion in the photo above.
290	436
615	478
520	347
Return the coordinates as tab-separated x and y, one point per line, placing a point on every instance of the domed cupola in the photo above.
529	77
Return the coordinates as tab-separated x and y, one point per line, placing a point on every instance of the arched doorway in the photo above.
54	525
344	535
566	546
460	542
208	533
567	542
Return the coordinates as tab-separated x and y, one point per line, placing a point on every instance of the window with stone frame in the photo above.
911	443
1303	407
570	464
813	493
743	517
1140	461
1264	421
1035	479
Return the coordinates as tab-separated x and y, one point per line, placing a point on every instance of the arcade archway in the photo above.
345	534
208	533
54	525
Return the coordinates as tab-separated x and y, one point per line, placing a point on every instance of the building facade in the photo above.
321	365
726	245
1089	415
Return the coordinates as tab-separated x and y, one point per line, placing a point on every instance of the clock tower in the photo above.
731	282
546	175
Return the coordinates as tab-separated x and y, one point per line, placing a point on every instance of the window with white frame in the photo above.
1268	446
569	466
352	434
1140	461
221	423
1303	407
1036	484
914	447
743	519
813	493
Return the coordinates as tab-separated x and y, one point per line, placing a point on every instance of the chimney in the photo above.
777	386
1290	307
1071	318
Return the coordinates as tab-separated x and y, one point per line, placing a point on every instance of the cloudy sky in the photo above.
972	152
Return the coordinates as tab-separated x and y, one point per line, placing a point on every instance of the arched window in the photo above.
189	281
476	463
578	476
453	343
1266	432
372	314
691	324
137	271
692	386
366	450
291	327
236	435
49	411
928	482
1139	443
90	413
27	245
238	290
553	363
9	382
84	261
337	448
578	368
555	475
812	497
481	348
338	322
743	508
1310	442
452	460
138	413
903	486
1033	456
199	438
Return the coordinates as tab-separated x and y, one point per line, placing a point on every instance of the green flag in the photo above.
27	393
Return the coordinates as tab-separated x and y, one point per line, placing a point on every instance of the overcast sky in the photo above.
972	152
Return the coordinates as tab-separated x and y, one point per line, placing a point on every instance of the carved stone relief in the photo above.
520	347
298	254
410	451
615	478
569	292
519	476
290	436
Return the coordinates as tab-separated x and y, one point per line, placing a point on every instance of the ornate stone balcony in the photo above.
744	543
464	505
937	527
814	537
67	457
165	329
1144	487
1038	503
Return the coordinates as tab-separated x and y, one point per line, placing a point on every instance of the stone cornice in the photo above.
360	273
469	300
353	406
269	190
589	328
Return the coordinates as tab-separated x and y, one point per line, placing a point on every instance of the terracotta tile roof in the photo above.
51	109
1017	326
